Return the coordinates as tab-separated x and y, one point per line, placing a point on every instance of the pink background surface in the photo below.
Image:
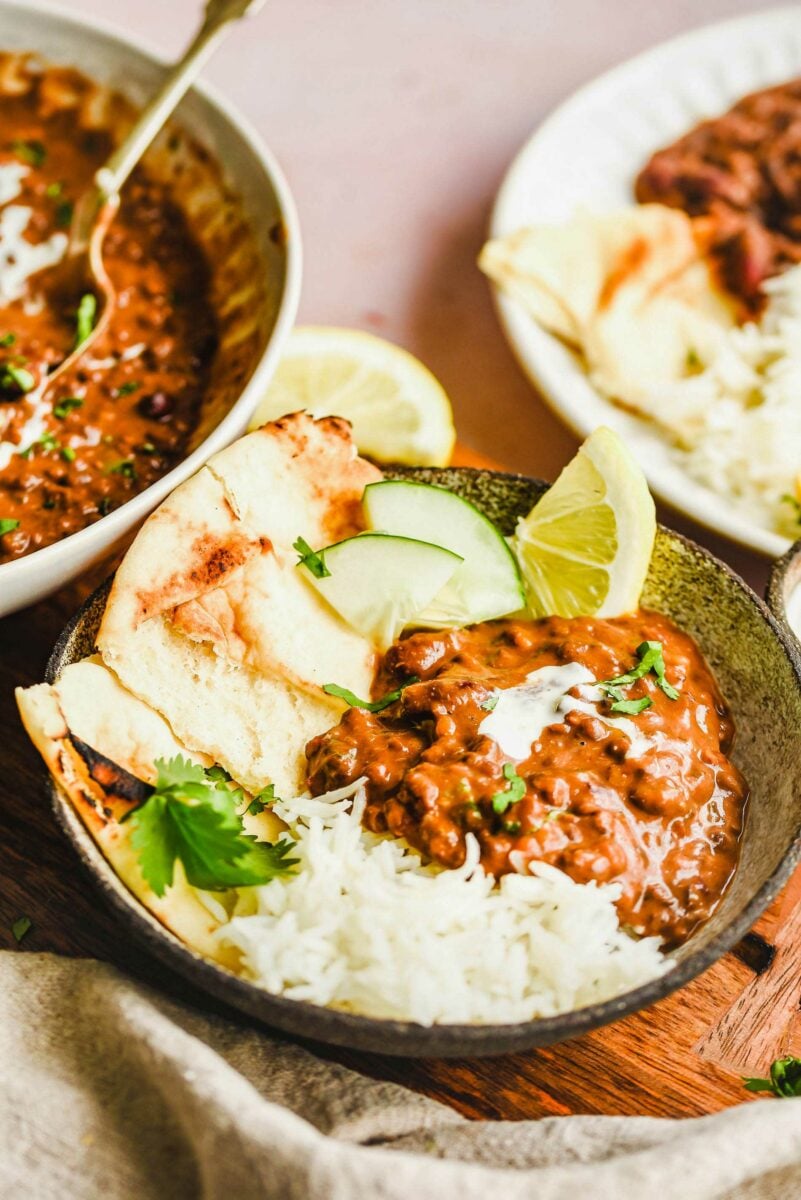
395	123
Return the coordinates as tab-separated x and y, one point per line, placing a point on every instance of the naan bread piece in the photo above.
103	714
82	744
631	289
210	622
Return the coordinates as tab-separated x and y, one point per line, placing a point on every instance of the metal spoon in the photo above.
82	272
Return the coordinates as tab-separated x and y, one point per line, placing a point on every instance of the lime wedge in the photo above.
585	547
399	412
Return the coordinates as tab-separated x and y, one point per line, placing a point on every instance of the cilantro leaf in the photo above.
262	800
652	659
31	151
191	816
218	774
515	791
85	318
153	839
65	210
311	559
16	377
66	406
20	928
632	707
216	853
8	339
784	1081
128	388
491	702
373	706
8	525
124	466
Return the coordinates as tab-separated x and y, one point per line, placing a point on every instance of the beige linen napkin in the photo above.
110	1092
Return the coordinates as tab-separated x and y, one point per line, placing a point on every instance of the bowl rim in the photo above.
116	524
408	1038
784	578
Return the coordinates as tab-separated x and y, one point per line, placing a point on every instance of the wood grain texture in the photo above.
645	1064
762	1024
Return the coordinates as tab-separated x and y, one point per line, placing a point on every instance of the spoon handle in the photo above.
219	16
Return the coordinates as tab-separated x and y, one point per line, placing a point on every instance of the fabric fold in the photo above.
110	1090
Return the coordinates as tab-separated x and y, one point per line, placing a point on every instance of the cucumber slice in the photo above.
379	583
487	584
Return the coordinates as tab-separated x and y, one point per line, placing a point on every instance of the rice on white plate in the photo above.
363	925
736	422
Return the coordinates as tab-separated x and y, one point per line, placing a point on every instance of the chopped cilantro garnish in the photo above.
66	406
68	454
104	506
8	339
310	559
53	191
125	389
784	1081
218	774
263	800
13	376
632	707
85	318
46	443
31	151
511	826
192	818
515	791
64	213
490	703
20	928
651	659
373	706
8	525
125	467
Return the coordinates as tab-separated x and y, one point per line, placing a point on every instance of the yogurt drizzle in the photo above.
521	713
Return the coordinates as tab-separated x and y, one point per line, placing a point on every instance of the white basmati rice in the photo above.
364	926
736	425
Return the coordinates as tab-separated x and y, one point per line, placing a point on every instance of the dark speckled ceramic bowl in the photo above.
758	665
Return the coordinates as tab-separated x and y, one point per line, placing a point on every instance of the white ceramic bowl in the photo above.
586	155
252	174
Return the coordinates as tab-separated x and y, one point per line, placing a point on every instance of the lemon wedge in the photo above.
399	412
585	547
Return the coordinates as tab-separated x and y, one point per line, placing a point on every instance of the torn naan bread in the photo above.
632	290
210	622
100	744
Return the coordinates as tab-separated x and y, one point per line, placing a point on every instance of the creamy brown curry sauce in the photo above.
122	417
662	818
740	172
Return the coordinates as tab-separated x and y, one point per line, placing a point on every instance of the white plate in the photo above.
587	154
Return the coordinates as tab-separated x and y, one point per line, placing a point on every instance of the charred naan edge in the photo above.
632	289
211	623
108	777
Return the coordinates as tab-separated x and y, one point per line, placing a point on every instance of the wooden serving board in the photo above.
682	1057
